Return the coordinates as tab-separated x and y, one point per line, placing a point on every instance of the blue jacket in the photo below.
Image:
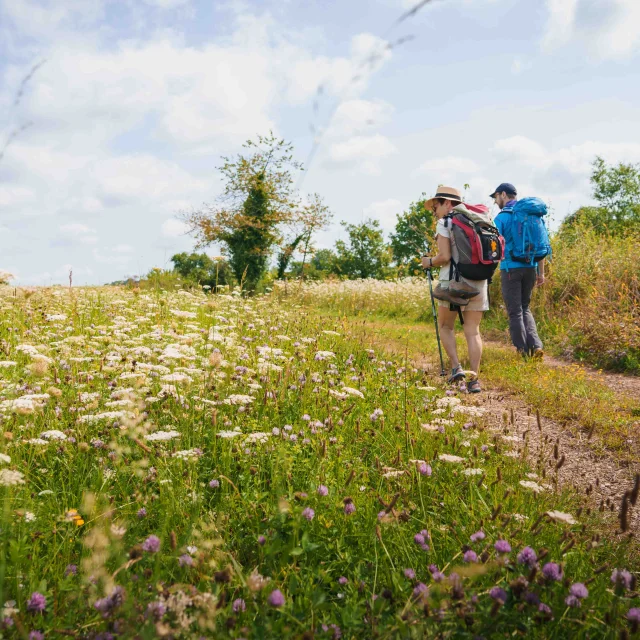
503	222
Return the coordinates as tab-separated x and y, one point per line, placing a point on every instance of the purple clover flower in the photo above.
418	538
572	601
261	540
342	580
106	606
502	546
349	508
410	574
276	598
477	536
239	605
420	589
36	635
424	469
470	556
185	560
308	513
71	570
322	490
498	594
622	577
633	615
552	571
527	556
156	610
578	590
37	603
151	544
544	608
214	484
142	513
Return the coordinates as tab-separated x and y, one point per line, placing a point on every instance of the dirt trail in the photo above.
592	472
618	382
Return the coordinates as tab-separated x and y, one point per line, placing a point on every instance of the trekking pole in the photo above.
435	321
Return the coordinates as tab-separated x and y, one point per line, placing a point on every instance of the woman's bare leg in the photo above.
446	323
472	335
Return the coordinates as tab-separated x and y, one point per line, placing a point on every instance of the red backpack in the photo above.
476	244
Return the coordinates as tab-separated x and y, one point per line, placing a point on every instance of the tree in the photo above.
258	199
617	189
200	268
366	255
413	234
323	263
311	217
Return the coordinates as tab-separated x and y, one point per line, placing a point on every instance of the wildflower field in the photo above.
185	465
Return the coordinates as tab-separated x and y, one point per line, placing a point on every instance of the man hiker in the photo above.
517	279
470	296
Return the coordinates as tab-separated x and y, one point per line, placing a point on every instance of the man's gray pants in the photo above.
517	286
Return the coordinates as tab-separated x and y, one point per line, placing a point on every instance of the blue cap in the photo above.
505	186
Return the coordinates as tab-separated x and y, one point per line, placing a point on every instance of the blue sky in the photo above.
138	99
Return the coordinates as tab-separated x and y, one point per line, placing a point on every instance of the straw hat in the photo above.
448	193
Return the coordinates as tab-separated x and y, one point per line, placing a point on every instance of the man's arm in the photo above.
540	277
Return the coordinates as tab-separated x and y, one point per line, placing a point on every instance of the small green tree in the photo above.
323	263
258	199
413	235
617	189
366	255
200	268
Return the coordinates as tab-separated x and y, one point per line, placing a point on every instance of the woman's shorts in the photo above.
477	303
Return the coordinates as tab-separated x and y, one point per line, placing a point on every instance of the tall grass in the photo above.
590	306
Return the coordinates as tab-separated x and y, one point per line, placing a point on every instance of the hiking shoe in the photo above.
439	293
473	386
457	373
538	354
462	289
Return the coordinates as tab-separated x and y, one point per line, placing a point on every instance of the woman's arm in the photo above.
444	254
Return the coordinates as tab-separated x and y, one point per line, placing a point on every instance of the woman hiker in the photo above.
473	305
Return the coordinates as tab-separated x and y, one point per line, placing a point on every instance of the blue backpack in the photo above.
529	235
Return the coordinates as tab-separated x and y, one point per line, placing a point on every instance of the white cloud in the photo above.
173	228
385	211
357	116
122	248
363	153
76	229
560	176
108	256
560	22
608	29
166	4
449	168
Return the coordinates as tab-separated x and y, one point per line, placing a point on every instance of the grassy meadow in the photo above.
183	465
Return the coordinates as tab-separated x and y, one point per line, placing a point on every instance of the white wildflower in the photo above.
177	377
530	484
353	392
228	434
239	399
54	434
9	478
187	454
559	516
473	472
446	457
4	458
161	436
